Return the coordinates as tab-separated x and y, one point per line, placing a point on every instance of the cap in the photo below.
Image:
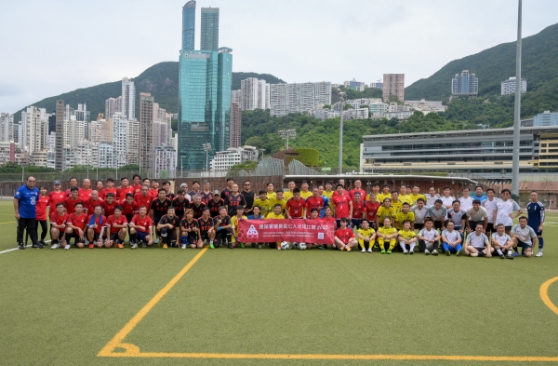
184	185
56	182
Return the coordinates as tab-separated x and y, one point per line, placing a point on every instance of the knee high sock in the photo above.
541	243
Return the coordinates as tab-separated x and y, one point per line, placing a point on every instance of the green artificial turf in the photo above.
62	307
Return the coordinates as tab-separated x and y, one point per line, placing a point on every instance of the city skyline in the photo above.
57	75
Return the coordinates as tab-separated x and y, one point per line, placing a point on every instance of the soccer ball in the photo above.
285	245
302	246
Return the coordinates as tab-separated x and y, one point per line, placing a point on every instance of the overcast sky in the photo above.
51	47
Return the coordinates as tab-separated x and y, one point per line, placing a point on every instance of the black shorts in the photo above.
438	225
419	226
96	236
473	225
204	235
129	218
156	220
523	245
114	236
77	238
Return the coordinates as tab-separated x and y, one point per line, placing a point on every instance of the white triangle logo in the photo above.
252	231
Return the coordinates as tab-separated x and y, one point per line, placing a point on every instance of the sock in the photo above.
54	241
133	237
366	245
402	245
412	246
541	244
499	251
68	237
516	250
510	252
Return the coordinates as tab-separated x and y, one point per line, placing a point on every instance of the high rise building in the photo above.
145	146
508	86
546	119
128	99
465	84
298	98
394	84
132	154
165	162
236	125
35	130
205	79
6	127
100	131
82	114
236	97
189	25
120	139
209	29
111	106
59	150
74	132
255	94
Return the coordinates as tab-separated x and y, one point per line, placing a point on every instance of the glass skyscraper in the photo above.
209	29
465	84
188	25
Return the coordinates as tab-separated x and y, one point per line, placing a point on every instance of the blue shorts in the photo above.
142	236
356	222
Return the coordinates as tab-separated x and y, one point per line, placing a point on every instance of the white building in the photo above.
106	156
508	86
426	105
299	98
128	98
546	119
377	85
224	160
356	103
74	132
101	131
254	94
324	114
355	85
401	115
132	154
378	109
236	97
87	155
34	123
165	162
6	127
359	113
113	105
120	139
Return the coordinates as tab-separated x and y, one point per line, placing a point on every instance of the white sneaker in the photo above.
183	246
56	246
363	250
539	254
426	252
369	250
405	252
67	247
134	246
434	252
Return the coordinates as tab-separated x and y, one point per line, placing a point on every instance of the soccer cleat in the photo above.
388	251
405	252
411	252
458	253
184	246
369	250
242	245
134	246
509	257
55	246
426	252
539	254
120	246
91	246
165	246
347	248
383	251
448	253
67	247
21	246
515	254
502	256
363	250
37	246
435	252
211	246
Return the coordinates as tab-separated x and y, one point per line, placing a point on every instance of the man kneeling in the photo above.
502	242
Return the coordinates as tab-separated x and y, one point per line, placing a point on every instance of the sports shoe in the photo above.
55	246
448	253
509	257
259	246
91	246
211	246
21	246
405	252
348	248
37	246
515	254
165	246
502	256
67	247
458	253
134	246
242	245
120	246
539	254
229	245
383	251
183	246
369	250
363	250
411	252
426	252
388	251
435	252
156	241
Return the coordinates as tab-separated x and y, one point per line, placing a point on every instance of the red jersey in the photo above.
105	191
71	204
90	204
358	209
153	193
57	219
84	194
344	235
111	220
109	207
100	221
341	205
345	193
137	188
76	220
295	207
41	207
145	222
122	192
69	192
56	198
314	202
129	209
361	191
142	200
371	208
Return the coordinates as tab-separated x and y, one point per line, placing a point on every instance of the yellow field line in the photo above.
543	292
120	336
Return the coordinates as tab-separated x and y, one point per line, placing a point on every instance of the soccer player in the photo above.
124	189
415	195
479	194
75	226
384	212
438	213
96	228
535	215
140	228
524	237
489	204
93	201
366	236
502	242
263	202
385	193
235	223
315	201
85	191
405	215
447	198
154	190
289	194
358	210
371	209
167	187
58	219
198	206
344	237
181	203
99	187
225	192
143	198
270	191
249	196
314	215
304	192
477	215
295	206
109	204
396	202
117	227
256	214
342	203
451	239
477	244
207	229
276	214
207	195
223	229
109	189
215	204
129	208
429	238
431	197
387	234
56	196
458	216
404	194
71	201
358	189
41	207
421	212
169	227
407	237
465	201
195	189
184	186
504	211
280	200
73	183
136	184
326	200
234	199
159	208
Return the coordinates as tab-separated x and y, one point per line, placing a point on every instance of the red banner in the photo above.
292	230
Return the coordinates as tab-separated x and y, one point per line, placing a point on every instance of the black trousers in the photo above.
44	229
30	225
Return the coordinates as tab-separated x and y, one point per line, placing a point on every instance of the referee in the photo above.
25	199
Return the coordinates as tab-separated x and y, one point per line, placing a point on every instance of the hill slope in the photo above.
496	64
161	80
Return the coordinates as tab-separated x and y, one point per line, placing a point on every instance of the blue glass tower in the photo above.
189	25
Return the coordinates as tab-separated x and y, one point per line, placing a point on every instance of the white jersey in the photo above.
477	216
477	241
419	214
505	208
447	201
527	232
451	236
428	235
490	206
431	200
502	240
466	203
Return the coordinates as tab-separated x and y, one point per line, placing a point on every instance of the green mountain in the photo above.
496	64
161	80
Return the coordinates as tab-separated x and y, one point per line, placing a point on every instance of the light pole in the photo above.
341	101
286	134
207	148
517	109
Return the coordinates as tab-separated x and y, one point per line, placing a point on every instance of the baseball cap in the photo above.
56	183
184	185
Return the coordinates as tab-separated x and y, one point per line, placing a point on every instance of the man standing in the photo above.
504	211
56	196
479	194
466	201
225	192
25	199
477	215
84	193
315	201
289	194
358	188
489	204
535	214
248	197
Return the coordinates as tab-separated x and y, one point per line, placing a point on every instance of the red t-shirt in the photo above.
142	200
69	192
341	206
56	198
313	202
105	191
57	219
99	220
361	191
111	220
122	192
71	204
128	209
153	193
109	207
90	204
296	207
41	207
137	188
84	194
344	235
371	208
145	222
78	221
358	209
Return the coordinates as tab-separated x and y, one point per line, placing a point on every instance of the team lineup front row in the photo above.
194	219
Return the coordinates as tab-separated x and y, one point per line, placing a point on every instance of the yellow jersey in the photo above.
384	212
387	231
234	223
282	202
287	195
415	198
405	198
407	234
306	194
400	217
265	205
381	196
366	233
274	216
271	195
398	205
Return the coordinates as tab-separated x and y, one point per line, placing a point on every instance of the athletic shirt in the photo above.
249	198
477	216
142	200
490	206
137	188
70	204
214	207
175	221
447	201
78	221
113	220
535	214
414	199
466	203
296	207
344	235
430	201
502	240
428	235
205	225
145	222
361	191
41	207
437	214
387	231
56	198
232	202
180	206
99	220
129	209
407	234
224	221
385	212
198	210
234	222
206	197
401	217
341	204
122	192
419	214
84	194
313	202
303	194
504	209
526	232
90	204
358	209
160	207
477	241
366	233
109	207
273	216
224	193
382	196
58	219
457	217
371	208
451	236
104	192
